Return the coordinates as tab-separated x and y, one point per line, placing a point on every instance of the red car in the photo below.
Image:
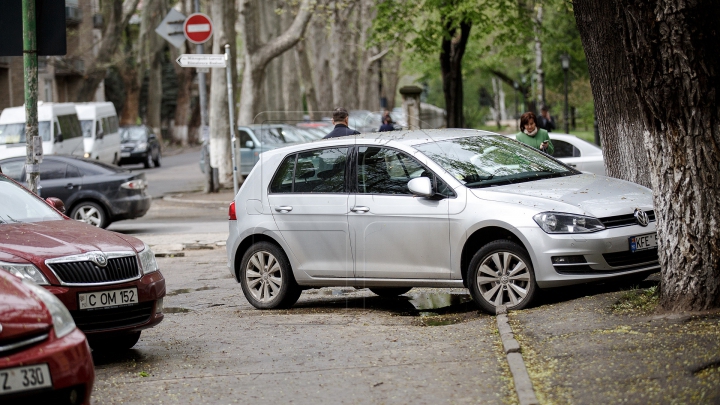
44	358
110	282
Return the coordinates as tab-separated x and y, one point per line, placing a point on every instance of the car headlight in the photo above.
62	320
25	271
147	260
552	222
141	147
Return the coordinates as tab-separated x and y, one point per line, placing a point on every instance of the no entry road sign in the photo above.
198	28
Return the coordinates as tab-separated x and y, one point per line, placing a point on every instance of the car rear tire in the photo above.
390	292
123	341
157	160
266	277
501	273
90	213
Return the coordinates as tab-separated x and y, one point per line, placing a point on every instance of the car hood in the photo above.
39	241
21	313
585	194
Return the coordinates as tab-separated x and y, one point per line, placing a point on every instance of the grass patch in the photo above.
637	300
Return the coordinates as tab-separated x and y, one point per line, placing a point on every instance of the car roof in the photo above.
88	111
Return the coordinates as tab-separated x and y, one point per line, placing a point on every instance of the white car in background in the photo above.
577	153
101	134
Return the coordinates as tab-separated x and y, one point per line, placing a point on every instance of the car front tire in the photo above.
266	277
501	273
148	161
157	159
90	213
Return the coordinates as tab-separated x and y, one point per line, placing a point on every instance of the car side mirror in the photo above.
58	138
250	144
421	186
56	203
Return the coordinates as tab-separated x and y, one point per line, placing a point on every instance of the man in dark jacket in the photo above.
340	119
545	121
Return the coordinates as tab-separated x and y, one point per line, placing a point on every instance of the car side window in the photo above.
69	126
244	138
320	171
14	169
52	169
283	180
387	171
565	149
72	172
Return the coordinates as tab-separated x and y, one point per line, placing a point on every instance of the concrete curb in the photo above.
200	202
523	384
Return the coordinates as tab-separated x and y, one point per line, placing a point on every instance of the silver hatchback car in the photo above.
432	208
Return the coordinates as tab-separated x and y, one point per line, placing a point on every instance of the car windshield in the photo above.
87	127
15	133
19	205
132	134
484	161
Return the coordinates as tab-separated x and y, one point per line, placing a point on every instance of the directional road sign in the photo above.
171	28
198	28
201	61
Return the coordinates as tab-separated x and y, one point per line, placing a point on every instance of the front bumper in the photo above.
133	157
119	319
606	254
71	368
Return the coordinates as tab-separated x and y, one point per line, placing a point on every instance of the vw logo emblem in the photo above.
641	217
98	258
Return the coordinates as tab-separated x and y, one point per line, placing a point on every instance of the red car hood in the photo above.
39	241
21	313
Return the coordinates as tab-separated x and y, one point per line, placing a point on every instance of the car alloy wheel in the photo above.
501	274
266	277
90	213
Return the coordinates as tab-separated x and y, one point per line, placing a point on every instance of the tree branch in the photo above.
287	39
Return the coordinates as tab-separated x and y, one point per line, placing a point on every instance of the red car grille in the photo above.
111	318
87	272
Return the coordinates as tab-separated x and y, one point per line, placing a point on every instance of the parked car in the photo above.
321	127
577	153
58	126
258	138
139	145
93	192
101	134
432	208
110	282
44	358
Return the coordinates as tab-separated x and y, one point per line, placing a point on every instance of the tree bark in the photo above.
616	106
307	79
120	13
129	113
539	57
453	49
258	55
292	95
343	51
319	53
182	103
155	47
671	48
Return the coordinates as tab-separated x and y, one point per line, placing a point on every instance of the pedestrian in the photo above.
340	120
533	136
387	124
545	121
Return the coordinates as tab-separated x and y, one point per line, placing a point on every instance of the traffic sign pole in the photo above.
231	109
202	89
31	91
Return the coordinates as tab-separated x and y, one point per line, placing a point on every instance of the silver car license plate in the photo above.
25	378
643	242
111	298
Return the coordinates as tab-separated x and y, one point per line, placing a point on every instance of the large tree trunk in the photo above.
119	17
391	75
539	57
616	106
319	53
258	55
184	76
308	82
453	49
368	77
223	13
343	59
671	48
292	95
155	48
130	110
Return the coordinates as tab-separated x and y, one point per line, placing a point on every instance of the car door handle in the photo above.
572	165
360	209
283	208
70	186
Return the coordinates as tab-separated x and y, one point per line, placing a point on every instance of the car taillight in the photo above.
231	212
137	184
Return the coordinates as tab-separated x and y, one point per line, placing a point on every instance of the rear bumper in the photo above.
71	368
130	207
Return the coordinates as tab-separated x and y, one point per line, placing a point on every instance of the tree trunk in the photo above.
258	55
319	53
671	48
497	108
129	115
453	49
308	82
119	17
539	58
182	103
292	95
155	47
223	12
343	59
616	106
368	78
391	75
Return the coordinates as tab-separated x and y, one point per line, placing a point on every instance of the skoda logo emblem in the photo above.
641	217
98	258
0	328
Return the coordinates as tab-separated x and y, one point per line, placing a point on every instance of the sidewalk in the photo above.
223	197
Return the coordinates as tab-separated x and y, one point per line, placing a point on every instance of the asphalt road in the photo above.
177	173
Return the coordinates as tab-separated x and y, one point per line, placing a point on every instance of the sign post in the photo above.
30	71
202	89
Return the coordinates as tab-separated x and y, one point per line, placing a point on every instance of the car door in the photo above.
52	179
395	234
567	153
309	201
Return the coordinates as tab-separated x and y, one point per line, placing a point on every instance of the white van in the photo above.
58	126
101	134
